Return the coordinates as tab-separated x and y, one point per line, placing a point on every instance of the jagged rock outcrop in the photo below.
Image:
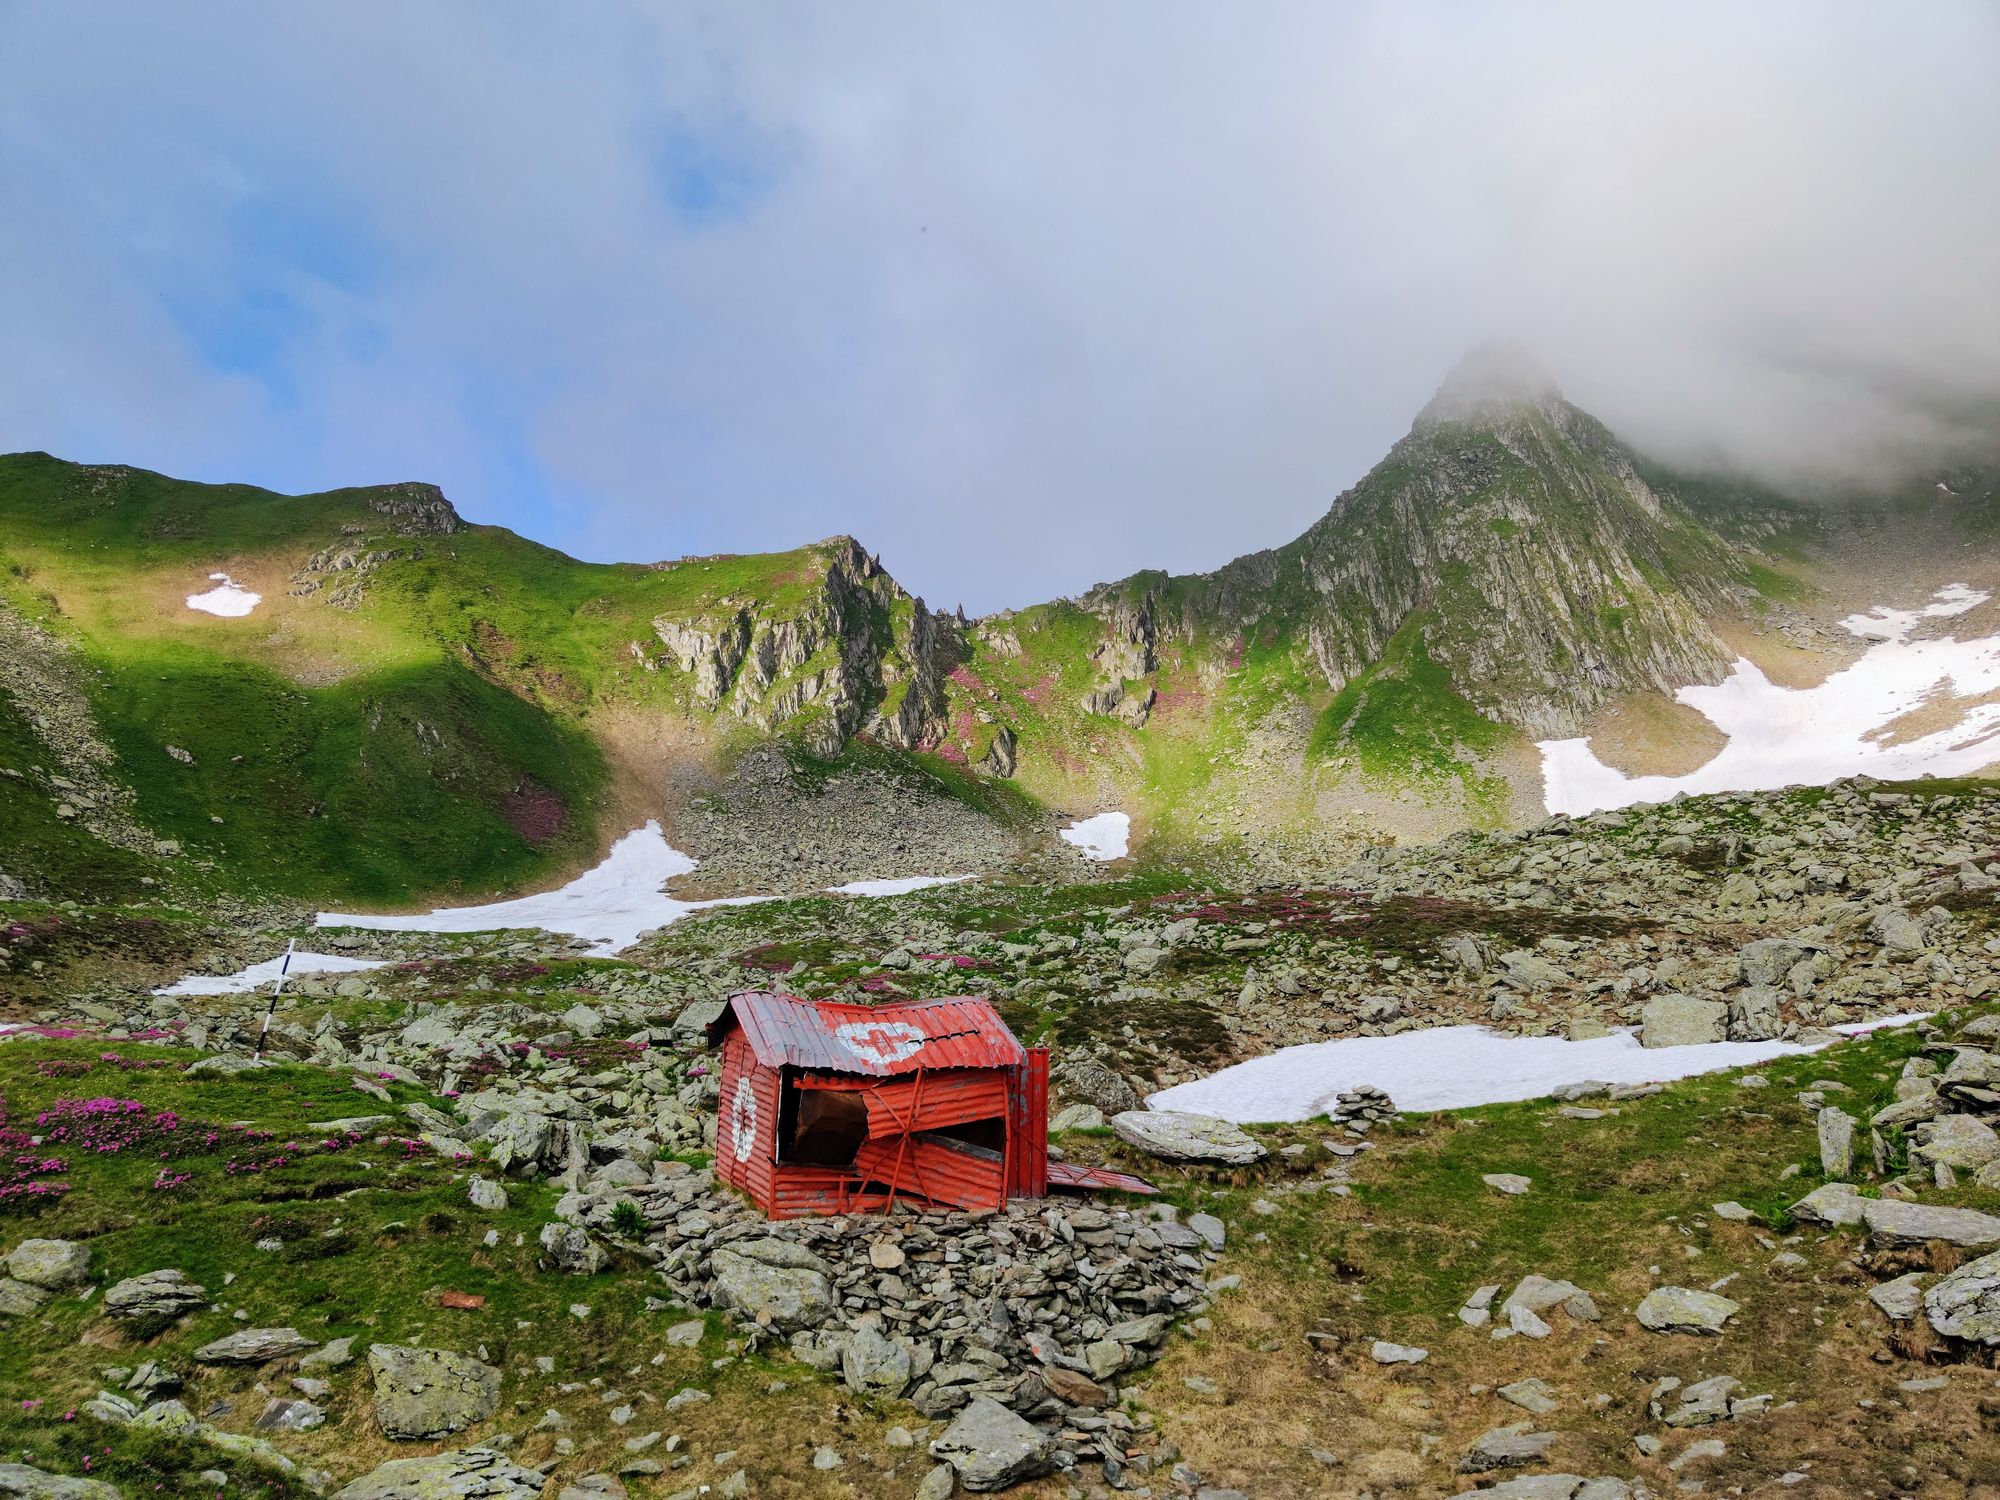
858	655
1509	533
418	509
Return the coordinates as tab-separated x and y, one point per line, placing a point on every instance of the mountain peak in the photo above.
1492	379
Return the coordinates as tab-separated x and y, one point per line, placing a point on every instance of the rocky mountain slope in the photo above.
417	707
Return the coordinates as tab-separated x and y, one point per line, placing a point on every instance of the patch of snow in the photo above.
228	598
1452	1067
899	887
1106	836
1781	736
608	906
257	975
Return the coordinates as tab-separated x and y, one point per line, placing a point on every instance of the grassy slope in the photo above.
367	753
1618	1205
370	1236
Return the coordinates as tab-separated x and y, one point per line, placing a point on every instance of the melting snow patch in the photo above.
1806	736
1451	1067
1106	836
901	887
610	905
257	975
228	598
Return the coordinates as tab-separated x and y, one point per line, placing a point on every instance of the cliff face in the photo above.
844	652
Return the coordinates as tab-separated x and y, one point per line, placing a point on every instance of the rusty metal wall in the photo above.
937	1170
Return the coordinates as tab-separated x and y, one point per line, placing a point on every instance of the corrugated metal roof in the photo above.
875	1041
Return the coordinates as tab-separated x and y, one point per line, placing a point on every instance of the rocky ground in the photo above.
785	825
463	1232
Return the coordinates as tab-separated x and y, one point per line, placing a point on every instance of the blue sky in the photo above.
1025	297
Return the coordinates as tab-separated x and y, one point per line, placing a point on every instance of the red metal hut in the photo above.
830	1108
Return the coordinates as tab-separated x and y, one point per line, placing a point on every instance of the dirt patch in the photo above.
1939	712
1788	661
1649	734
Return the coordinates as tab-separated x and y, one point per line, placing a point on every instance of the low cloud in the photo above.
1025	299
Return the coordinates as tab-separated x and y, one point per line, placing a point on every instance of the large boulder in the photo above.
154	1296
1834	1205
568	1249
873	1362
52	1265
1174	1136
1081	1081
1966	1304
1891	1221
773	1282
1835	1127
467	1474
1753	1015
38	1484
1767	961
430	1393
254	1346
989	1447
1679	1309
1681	1021
1964	1142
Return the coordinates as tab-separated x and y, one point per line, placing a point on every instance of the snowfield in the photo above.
257	975
898	887
1104	837
228	598
1782	737
1453	1067
608	906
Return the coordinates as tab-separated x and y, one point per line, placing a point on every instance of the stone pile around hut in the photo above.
1043	1307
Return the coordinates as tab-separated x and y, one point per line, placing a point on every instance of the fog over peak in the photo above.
1021	298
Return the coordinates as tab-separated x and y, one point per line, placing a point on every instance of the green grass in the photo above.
377	788
43	850
1403	718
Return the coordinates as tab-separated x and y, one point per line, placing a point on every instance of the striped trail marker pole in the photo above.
276	990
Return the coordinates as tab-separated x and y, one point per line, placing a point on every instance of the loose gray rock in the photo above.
288	1414
52	1265
1506	1448
774	1283
874	1362
569	1250
1681	1021
1679	1309
1901	1299
1531	1395
1836	1141
1511	1183
467	1474
1891	1221
1385	1353
1966	1304
1833	1204
19	1300
254	1346
156	1294
430	1393
1174	1136
38	1484
989	1447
